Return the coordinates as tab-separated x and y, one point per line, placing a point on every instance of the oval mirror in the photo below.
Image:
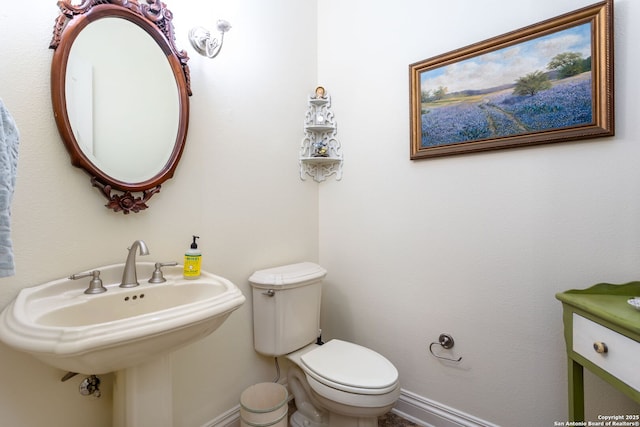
120	92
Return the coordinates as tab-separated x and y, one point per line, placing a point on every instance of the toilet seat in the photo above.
350	368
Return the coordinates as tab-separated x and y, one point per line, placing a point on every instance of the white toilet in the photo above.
338	384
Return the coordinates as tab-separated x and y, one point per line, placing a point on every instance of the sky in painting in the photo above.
506	65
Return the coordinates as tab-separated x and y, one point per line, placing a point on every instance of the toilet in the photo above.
334	384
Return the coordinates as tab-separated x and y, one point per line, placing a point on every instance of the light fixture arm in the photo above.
206	45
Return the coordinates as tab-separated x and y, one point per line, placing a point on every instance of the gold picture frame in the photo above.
508	92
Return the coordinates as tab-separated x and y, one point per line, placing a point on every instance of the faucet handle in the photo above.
157	276
95	285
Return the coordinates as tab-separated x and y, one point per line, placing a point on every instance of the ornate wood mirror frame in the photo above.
155	19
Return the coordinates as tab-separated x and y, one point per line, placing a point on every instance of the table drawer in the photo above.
621	357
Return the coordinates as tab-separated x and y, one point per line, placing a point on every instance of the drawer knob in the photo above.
600	347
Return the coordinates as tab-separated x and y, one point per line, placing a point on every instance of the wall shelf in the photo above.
320	151
319	160
319	128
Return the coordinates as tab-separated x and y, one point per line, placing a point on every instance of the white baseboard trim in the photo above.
420	410
429	413
231	418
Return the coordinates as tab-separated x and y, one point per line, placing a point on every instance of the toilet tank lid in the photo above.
287	275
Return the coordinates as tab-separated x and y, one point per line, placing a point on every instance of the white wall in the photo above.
237	187
474	245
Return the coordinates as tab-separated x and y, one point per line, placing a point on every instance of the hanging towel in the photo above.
9	140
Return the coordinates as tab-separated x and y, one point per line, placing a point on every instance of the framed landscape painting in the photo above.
549	82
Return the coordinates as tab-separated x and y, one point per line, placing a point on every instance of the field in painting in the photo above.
500	113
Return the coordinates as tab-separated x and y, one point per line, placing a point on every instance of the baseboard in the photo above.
420	410
429	413
231	418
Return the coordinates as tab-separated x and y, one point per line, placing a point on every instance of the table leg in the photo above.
576	391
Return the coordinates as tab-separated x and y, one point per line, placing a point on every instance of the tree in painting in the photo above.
532	83
567	64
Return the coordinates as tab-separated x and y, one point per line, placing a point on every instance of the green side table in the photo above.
602	334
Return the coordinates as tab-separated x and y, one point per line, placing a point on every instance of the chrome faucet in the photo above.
129	275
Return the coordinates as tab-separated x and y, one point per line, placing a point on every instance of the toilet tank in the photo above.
286	307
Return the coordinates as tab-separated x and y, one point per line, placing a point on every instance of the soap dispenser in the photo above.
192	261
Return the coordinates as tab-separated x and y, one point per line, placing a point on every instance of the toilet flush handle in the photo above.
269	293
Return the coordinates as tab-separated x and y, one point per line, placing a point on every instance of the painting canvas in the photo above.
546	83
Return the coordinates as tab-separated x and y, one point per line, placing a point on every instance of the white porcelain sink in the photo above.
94	334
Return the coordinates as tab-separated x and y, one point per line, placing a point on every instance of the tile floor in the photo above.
392	420
388	420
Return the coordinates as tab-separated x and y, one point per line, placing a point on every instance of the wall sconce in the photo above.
206	45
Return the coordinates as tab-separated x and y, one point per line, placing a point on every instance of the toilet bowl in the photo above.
346	379
338	384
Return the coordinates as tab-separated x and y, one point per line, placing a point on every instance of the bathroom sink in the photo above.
94	334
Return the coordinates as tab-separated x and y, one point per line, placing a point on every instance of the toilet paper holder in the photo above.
446	341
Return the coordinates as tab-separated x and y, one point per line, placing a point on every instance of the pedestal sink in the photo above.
129	331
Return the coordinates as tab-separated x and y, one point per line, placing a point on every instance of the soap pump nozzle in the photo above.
194	245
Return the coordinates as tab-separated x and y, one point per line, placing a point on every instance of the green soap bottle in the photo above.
192	261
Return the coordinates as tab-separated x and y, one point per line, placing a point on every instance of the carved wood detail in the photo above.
125	202
154	10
